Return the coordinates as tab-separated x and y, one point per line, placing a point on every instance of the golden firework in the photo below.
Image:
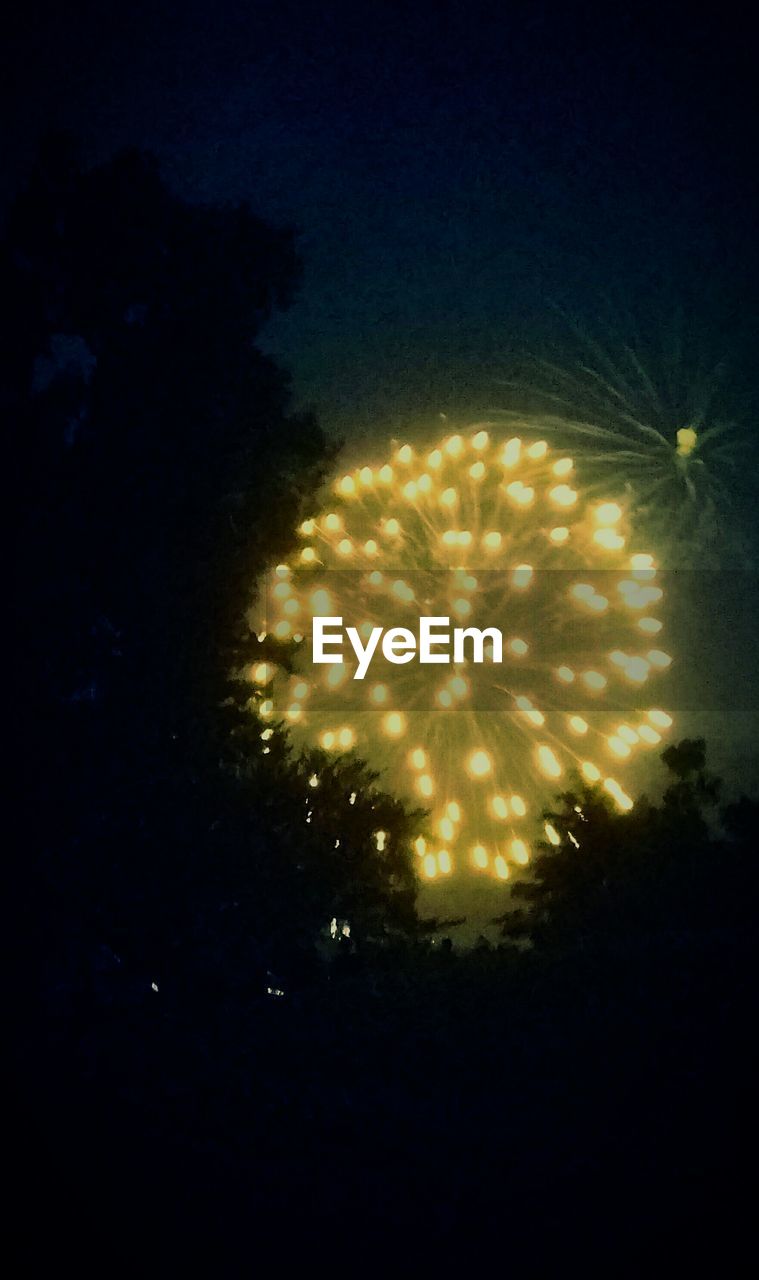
496	538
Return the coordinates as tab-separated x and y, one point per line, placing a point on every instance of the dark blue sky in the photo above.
452	169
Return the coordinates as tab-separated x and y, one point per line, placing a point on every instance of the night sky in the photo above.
455	171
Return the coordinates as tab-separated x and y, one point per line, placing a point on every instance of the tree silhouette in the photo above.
158	469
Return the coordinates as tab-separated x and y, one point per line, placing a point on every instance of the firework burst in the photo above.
652	427
482	533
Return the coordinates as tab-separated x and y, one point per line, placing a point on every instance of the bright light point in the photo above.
347	486
385	474
424	483
651	626
559	535
649	735
518	806
608	513
511	451
366	475
336	675
492	541
308	528
458	686
379	694
627	734
294	711
501	867
445	698
618	748
410	490
522	576
346	738
425	786
641	562
434	460
418	758
479	764
262	672
462	607
453	809
616	792
405	454
371	548
327	740
480	856
445	827
380	838
519	852
594	680
563	496
499	807
402	591
637	670
687	439
267	733
392	527
547	762
519	493
552	834
345	547
281	591
449	498
480	440
282	630
589	771
444	862
477	470
333	522
313	780
519	647
308	555
430	866
420	844
537	450
565	674
578	725
562	467
659	659
454	446
660	718
394	724
608	539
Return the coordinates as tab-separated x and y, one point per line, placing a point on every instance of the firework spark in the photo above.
651	426
481	532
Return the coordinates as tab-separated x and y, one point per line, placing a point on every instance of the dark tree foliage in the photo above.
657	874
157	469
